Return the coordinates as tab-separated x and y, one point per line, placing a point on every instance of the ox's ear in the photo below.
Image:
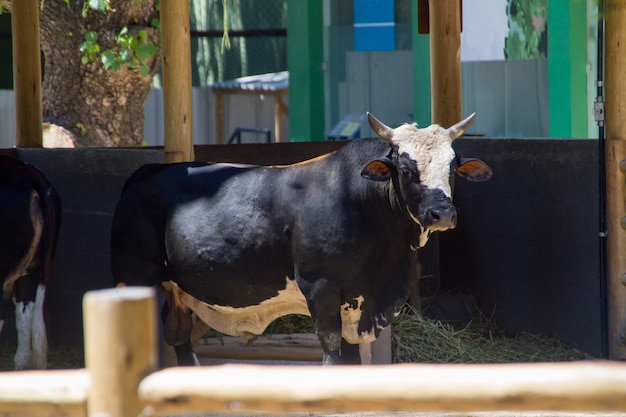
378	170
473	170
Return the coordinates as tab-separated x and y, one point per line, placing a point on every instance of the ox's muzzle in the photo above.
441	217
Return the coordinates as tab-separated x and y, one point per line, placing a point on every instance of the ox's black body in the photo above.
30	215
235	235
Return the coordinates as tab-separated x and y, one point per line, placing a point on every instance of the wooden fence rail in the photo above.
123	387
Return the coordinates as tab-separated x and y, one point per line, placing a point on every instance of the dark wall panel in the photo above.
89	182
527	243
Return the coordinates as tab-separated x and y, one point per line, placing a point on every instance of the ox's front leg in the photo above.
350	353
324	305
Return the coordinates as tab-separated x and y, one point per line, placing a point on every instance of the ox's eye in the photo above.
405	172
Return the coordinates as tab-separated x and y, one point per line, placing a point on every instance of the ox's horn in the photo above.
458	129
380	128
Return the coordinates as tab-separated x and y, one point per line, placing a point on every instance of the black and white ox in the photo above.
30	216
334	237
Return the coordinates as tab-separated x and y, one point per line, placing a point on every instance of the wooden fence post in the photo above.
445	62
615	181
27	74
176	67
120	347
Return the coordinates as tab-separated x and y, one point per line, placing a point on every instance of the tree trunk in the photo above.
94	106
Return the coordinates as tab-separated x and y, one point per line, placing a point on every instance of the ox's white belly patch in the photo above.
254	319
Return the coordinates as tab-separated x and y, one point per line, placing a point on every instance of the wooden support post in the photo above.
219	118
120	347
280	110
615	180
176	67
445	62
27	73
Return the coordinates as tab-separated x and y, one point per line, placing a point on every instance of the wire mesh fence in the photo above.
257	35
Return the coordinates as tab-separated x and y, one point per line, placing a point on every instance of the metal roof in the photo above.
270	82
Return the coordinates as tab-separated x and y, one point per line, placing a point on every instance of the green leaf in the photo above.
99	5
84	60
108	59
125	41
144	70
145	51
126	55
116	65
91	37
155	23
143	36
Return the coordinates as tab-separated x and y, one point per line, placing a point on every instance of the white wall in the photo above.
7	119
241	111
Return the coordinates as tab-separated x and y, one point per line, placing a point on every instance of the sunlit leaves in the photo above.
132	50
89	48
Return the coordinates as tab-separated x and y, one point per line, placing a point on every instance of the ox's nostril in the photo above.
444	217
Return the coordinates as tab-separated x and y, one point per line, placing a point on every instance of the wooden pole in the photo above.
27	73
176	67
219	118
573	386
120	347
445	62
615	83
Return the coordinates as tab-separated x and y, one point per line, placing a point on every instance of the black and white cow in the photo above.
30	215
334	237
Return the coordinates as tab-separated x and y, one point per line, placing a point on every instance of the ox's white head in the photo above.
419	167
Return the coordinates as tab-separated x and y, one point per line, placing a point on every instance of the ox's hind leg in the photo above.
178	324
32	343
24	325
39	336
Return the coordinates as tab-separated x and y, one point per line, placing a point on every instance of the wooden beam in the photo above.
44	393
573	386
120	347
445	62
615	83
176	67
294	347
27	73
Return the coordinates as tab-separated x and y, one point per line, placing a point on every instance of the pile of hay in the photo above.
416	339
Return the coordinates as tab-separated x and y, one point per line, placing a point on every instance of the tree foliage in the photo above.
99	60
